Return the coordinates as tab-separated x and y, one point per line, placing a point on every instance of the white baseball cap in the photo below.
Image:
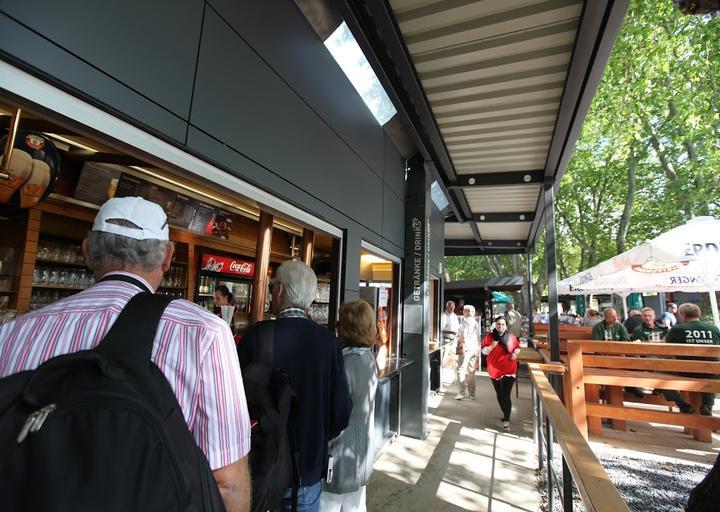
149	218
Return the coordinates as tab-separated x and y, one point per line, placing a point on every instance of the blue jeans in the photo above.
308	499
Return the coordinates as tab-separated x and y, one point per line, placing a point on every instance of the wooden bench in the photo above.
592	364
567	332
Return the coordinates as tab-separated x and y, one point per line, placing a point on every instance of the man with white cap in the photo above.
128	250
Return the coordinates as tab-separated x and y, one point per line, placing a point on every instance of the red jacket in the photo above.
499	361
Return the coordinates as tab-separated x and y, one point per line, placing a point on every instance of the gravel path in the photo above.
648	483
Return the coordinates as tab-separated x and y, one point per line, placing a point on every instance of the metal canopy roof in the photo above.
494	94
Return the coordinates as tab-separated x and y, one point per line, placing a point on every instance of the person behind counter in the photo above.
351	452
223	297
502	348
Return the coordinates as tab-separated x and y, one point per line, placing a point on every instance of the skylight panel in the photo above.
352	61
438	197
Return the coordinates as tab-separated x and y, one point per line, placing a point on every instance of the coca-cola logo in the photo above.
242	267
229	265
213	266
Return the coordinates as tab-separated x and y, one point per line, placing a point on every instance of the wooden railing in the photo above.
580	466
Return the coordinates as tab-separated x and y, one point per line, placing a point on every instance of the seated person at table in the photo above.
691	330
610	328
592	318
648	327
634	319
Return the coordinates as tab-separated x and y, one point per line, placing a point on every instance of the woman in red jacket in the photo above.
502	349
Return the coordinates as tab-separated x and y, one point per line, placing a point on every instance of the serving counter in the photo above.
387	401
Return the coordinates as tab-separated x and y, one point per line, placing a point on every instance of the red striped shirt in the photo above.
193	348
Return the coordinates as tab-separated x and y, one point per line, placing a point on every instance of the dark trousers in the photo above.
708	399
503	388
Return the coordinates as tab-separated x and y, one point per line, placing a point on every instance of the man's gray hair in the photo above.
108	252
299	283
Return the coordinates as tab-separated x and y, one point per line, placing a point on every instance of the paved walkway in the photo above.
467	462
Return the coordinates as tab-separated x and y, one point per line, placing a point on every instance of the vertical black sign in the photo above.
416	378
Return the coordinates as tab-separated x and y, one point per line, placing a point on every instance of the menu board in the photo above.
98	182
203	219
183	211
210	221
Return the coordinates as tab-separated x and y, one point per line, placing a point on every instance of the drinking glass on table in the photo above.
655	336
608	335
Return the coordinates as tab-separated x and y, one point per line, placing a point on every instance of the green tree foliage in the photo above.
648	158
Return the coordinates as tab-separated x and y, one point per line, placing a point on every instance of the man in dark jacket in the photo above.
633	321
311	356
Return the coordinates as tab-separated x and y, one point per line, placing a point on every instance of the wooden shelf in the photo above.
7	292
171	287
61	263
58	287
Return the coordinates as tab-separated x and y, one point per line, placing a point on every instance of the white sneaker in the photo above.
460	396
506	426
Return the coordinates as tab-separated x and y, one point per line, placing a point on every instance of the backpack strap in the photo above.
133	332
266	340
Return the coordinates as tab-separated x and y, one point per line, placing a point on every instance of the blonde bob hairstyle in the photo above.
356	324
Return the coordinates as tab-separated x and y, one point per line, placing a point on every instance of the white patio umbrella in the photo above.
686	258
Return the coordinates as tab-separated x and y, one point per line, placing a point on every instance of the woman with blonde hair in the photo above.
351	453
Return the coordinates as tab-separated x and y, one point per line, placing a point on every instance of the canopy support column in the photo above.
554	328
528	278
625	306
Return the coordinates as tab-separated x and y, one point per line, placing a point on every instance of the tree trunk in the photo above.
494	266
515	258
627	210
660	152
716	107
539	287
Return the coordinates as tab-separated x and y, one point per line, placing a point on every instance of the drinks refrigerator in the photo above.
224	270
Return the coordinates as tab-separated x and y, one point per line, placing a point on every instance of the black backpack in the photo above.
273	407
706	495
102	430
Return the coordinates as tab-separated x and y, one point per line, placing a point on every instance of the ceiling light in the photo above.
72	142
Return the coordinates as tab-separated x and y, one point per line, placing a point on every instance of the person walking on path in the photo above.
513	319
310	355
352	452
449	323
668	317
502	349
467	354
